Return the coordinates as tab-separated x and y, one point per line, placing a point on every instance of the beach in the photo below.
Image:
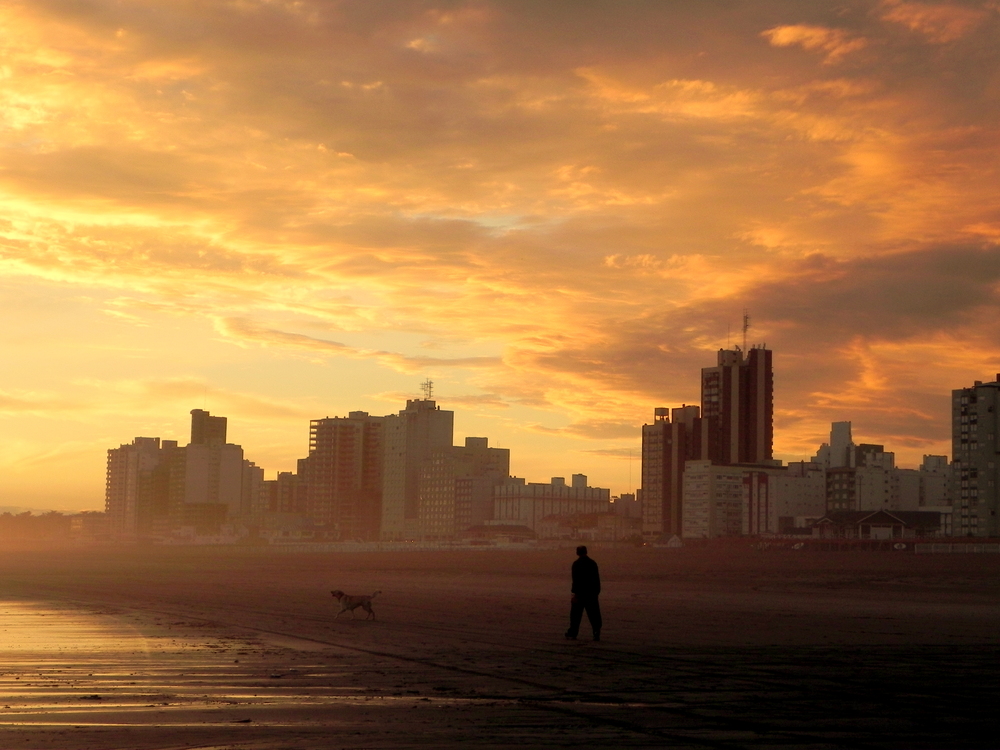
118	647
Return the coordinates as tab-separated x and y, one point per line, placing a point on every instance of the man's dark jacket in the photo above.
586	579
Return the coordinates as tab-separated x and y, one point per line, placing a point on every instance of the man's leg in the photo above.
575	615
594	615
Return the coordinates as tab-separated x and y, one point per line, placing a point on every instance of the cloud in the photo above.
593	429
51	458
109	397
244	330
940	23
568	207
474	401
620	453
35	403
834	42
188	392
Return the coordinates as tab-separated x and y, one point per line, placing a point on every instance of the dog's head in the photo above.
337	594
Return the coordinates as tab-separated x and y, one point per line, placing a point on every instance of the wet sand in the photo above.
118	648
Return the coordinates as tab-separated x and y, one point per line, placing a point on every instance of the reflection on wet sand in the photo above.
68	669
83	677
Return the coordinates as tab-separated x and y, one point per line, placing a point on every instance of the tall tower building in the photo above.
207	484
286	493
667	445
456	487
155	486
206	429
343	474
411	437
136	494
737	399
975	427
842	452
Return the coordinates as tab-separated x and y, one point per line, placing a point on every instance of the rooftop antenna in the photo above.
428	388
746	327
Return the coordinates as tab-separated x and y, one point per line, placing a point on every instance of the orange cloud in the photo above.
834	42
246	331
940	23
562	211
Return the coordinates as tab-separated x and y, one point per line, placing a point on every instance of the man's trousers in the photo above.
576	608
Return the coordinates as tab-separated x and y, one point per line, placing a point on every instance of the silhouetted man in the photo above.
586	589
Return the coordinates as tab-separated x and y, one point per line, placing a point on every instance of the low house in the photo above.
878	524
579	526
497	532
593	527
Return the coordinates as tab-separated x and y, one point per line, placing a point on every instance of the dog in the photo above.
351	603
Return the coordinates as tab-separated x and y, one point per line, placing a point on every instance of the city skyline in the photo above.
559	213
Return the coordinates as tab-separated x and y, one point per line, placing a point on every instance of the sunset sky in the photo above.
280	210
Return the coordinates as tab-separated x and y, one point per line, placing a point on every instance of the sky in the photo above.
281	210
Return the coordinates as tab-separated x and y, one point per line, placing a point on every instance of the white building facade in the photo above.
520	503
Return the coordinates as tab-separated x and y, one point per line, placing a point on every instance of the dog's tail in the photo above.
376	594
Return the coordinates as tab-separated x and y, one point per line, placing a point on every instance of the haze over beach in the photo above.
280	211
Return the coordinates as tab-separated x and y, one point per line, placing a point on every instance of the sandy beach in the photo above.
180	648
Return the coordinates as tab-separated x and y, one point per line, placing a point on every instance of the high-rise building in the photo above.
926	487
456	487
735	425
252	497
411	438
798	495
213	475
343	475
740	500
908	486
155	487
975	427
627	504
285	494
207	480
841	446
521	503
667	445
935	482
206	429
860	476
737	398
716	501
137	490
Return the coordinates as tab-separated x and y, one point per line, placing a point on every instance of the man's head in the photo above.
581	550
